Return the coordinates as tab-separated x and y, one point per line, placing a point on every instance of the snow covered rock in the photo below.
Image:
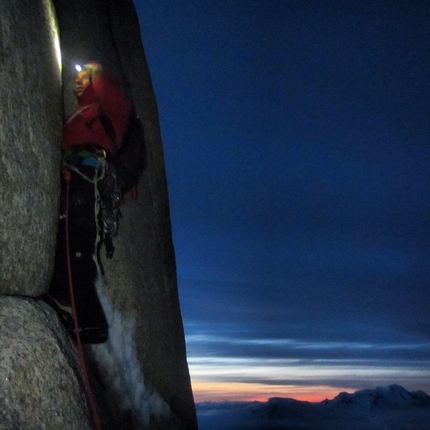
39	376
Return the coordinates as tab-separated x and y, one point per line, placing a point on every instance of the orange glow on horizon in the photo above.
243	392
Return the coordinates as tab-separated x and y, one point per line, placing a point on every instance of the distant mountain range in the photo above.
383	408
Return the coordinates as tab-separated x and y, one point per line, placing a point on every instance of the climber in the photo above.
91	136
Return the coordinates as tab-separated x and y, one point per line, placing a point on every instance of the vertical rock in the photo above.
30	129
141	287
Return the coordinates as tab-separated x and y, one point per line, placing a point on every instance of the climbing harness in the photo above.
84	373
106	192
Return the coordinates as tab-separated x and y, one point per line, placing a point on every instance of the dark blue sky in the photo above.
297	148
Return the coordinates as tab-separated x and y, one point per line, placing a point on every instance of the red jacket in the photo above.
84	126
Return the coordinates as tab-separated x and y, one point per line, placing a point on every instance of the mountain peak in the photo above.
387	396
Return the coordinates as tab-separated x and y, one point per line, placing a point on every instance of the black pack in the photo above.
129	161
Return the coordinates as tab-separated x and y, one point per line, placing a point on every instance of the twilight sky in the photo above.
297	148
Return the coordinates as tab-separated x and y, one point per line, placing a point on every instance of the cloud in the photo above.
253	378
300	348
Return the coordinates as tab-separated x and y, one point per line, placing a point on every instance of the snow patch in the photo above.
120	368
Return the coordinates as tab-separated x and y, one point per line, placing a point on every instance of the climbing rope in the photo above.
84	373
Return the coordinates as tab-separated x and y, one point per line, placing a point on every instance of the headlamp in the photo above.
78	67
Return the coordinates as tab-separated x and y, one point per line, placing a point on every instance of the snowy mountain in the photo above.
393	396
383	408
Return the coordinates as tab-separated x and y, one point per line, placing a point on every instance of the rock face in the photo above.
140	290
31	122
39	376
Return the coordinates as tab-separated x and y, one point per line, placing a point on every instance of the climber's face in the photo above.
81	82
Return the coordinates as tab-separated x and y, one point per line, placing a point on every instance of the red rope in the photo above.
84	373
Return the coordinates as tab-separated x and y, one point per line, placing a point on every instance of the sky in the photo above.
297	148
